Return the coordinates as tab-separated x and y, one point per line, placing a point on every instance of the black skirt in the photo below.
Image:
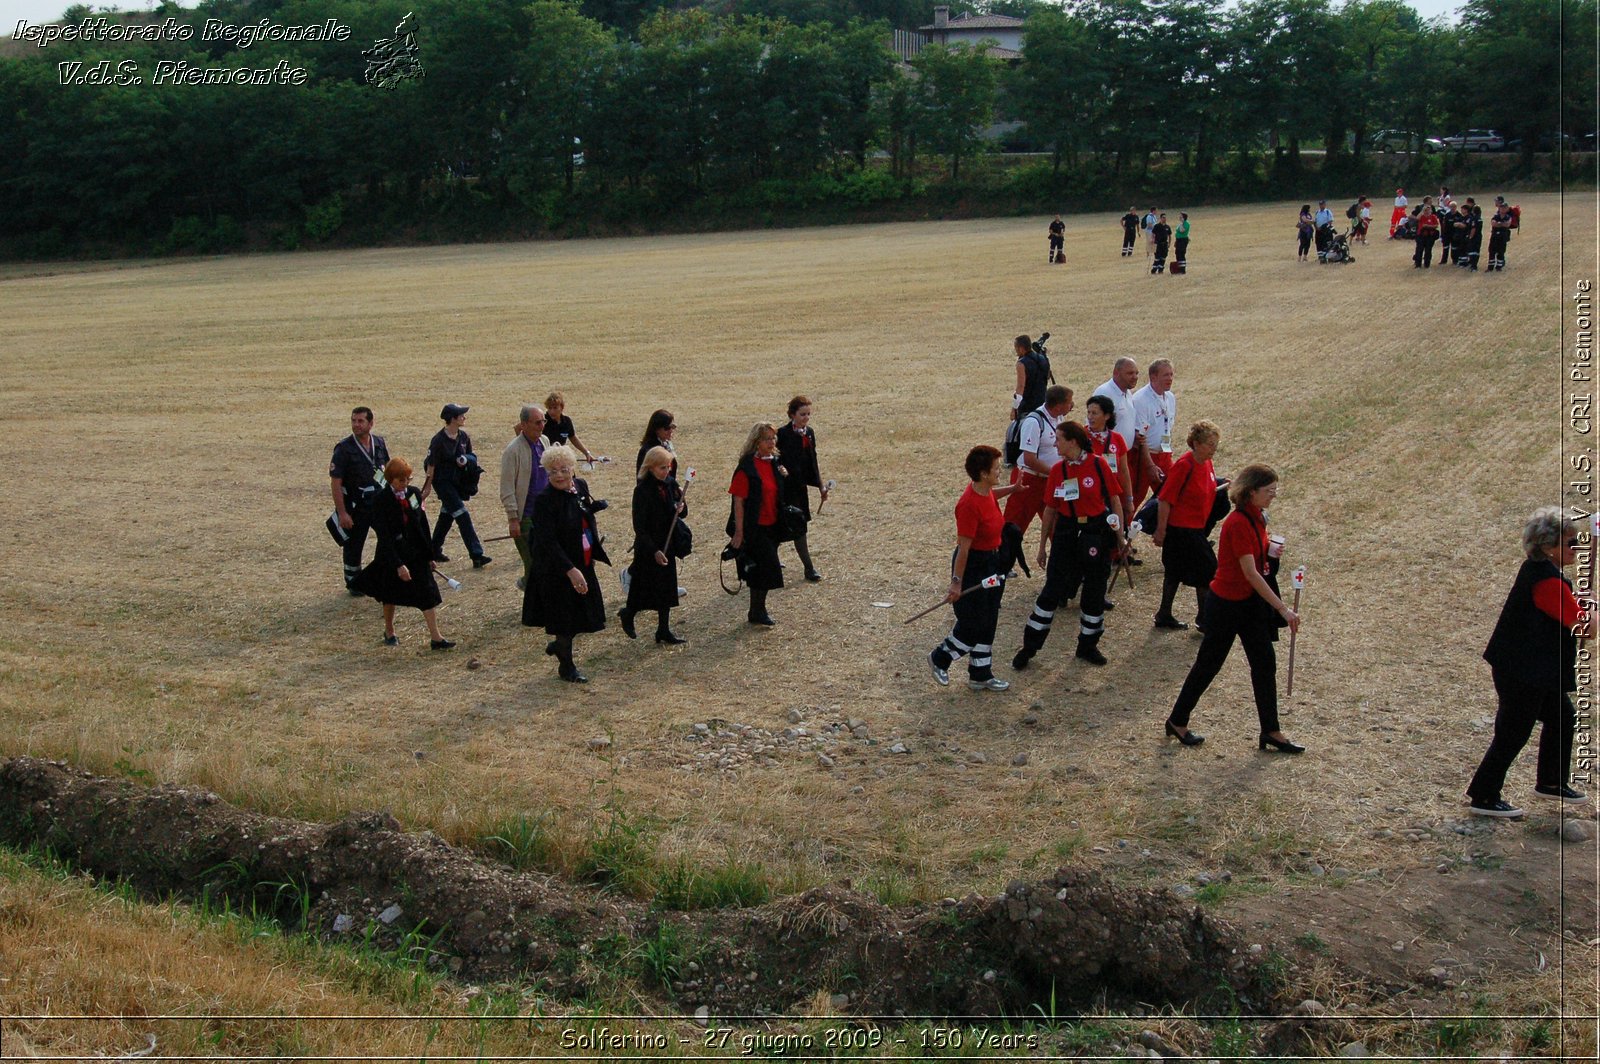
758	562
652	586
1187	555
549	602
380	581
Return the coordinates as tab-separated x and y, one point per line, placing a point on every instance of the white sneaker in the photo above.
993	683
940	676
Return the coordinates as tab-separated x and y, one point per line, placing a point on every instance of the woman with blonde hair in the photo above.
754	517
1532	658
401	573
1240	603
659	540
563	593
1183	511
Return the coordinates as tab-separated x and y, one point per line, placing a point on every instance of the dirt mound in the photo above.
1072	939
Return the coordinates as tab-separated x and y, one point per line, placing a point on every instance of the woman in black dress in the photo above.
797	451
658	434
563	594
754	516
401	573
658	540
558	428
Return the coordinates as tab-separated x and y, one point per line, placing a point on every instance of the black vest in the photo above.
1035	379
752	502
1529	647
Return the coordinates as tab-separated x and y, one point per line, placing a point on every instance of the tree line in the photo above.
541	115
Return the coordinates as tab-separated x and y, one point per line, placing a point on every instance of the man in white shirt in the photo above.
1038	456
1156	412
1119	389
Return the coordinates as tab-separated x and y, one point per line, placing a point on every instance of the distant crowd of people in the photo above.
1456	227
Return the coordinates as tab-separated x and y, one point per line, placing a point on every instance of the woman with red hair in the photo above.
401	574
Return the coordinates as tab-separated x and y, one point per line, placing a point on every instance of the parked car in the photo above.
1392	140
1468	140
1546	142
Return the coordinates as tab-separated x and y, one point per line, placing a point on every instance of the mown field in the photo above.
174	610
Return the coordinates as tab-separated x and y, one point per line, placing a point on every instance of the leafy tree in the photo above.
956	91
1057	89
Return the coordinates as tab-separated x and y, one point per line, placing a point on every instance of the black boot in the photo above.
1089	651
625	615
758	608
664	632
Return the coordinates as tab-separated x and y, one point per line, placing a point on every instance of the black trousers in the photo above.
1520	709
1305	244
1498	239
1161	257
1252	623
1180	248
1079	556
358	539
453	509
977	615
1423	256
1128	237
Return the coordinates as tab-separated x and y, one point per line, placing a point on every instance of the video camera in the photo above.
1038	345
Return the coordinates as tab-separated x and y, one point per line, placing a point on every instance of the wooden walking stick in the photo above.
677	516
1298	578
989	581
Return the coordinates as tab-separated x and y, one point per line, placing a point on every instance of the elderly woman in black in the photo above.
563	594
658	540
797	451
1532	657
401	573
755	512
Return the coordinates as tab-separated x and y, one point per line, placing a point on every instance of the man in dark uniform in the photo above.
1058	233
1161	233
1130	231
1499	234
357	475
1447	231
452	471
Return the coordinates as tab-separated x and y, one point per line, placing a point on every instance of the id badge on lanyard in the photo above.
1067	491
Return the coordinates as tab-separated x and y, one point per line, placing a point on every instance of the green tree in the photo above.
956	88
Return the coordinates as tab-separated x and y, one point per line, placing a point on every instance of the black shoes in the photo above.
670	638
1169	621
1561	794
391	641
625	615
480	560
1499	807
761	619
813	576
550	648
1091	653
1283	746
1020	662
440	644
440	556
1187	738
571	674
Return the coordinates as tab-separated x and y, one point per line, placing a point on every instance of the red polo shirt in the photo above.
1094	480
1241	535
978	517
1191	488
740	489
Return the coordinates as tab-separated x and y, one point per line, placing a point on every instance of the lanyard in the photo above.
371	456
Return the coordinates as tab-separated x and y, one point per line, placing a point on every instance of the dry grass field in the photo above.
174	608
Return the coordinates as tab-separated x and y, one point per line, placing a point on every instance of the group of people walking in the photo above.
1087	483
551	518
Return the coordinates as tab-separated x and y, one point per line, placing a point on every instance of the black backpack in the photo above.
1351	211
1012	452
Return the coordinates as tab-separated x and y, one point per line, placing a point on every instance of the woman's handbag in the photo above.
791	523
680	541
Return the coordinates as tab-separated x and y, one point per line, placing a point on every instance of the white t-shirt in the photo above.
1400	201
1159	413
1128	423
1038	440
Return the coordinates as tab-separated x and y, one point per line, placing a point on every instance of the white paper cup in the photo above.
1274	546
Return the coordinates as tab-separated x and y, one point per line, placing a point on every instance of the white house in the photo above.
1004	30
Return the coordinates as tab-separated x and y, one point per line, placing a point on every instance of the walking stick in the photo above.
677	515
828	486
1298	578
989	581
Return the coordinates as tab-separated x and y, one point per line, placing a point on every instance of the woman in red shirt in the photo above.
1533	656
1101	415
757	490
1241	603
978	556
1185	502
1081	518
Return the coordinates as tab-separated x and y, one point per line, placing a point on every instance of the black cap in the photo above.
452	411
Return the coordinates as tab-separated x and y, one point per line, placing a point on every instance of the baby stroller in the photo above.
1339	249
